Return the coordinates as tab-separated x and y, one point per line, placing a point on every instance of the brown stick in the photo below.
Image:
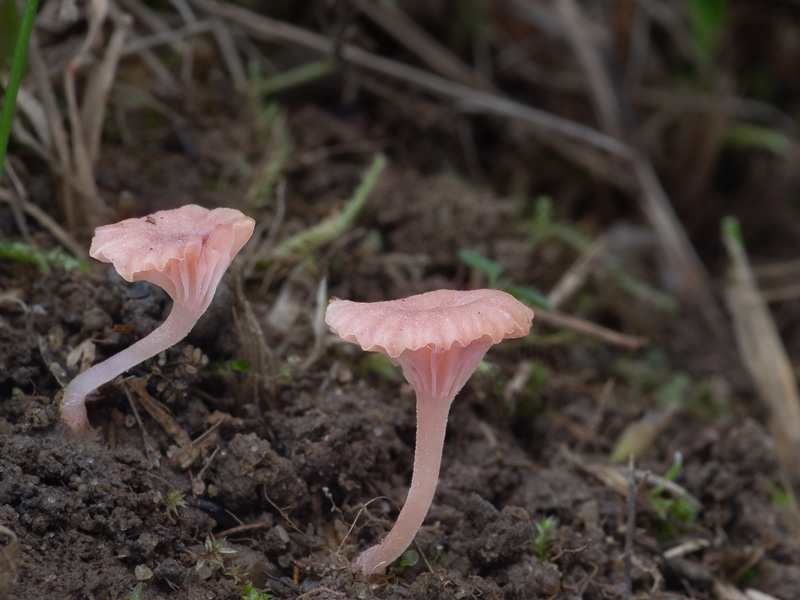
591	329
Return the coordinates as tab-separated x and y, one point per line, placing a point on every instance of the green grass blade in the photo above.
14	77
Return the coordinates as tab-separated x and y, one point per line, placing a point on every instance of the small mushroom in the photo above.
438	339
185	251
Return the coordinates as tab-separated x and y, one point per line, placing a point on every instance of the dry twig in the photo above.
574	277
591	329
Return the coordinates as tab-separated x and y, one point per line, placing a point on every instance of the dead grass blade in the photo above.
397	24
230	56
92	209
60	140
604	97
16	200
658	210
137	45
576	275
254	348
762	352
163	75
98	88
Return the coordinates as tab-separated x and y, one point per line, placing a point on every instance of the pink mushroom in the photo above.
185	251
438	339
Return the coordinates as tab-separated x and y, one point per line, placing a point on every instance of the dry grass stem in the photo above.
98	88
230	54
590	329
439	58
17	199
764	356
91	212
774	270
168	37
60	140
604	96
574	277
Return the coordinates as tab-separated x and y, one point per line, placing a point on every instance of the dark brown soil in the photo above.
300	458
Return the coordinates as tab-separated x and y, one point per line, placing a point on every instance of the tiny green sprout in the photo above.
409	558
137	593
475	260
779	496
56	257
249	592
749	575
174	500
288	368
493	272
213	554
545	536
237	366
672	510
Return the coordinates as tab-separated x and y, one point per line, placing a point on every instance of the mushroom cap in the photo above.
438	320
185	251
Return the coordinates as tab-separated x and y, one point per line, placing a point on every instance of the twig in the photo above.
577	550
148	57
614	477
154	22
591	329
17	200
786	268
782	293
606	100
149	448
166	37
242	529
57	131
577	273
92	209
230	56
98	88
638	45
283	513
397	24
686	547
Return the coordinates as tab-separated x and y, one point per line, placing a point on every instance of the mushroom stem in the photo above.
437	377
176	327
431	425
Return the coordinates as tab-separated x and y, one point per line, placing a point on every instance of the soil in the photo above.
280	452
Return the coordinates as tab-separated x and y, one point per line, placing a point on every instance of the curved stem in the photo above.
176	327
431	426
